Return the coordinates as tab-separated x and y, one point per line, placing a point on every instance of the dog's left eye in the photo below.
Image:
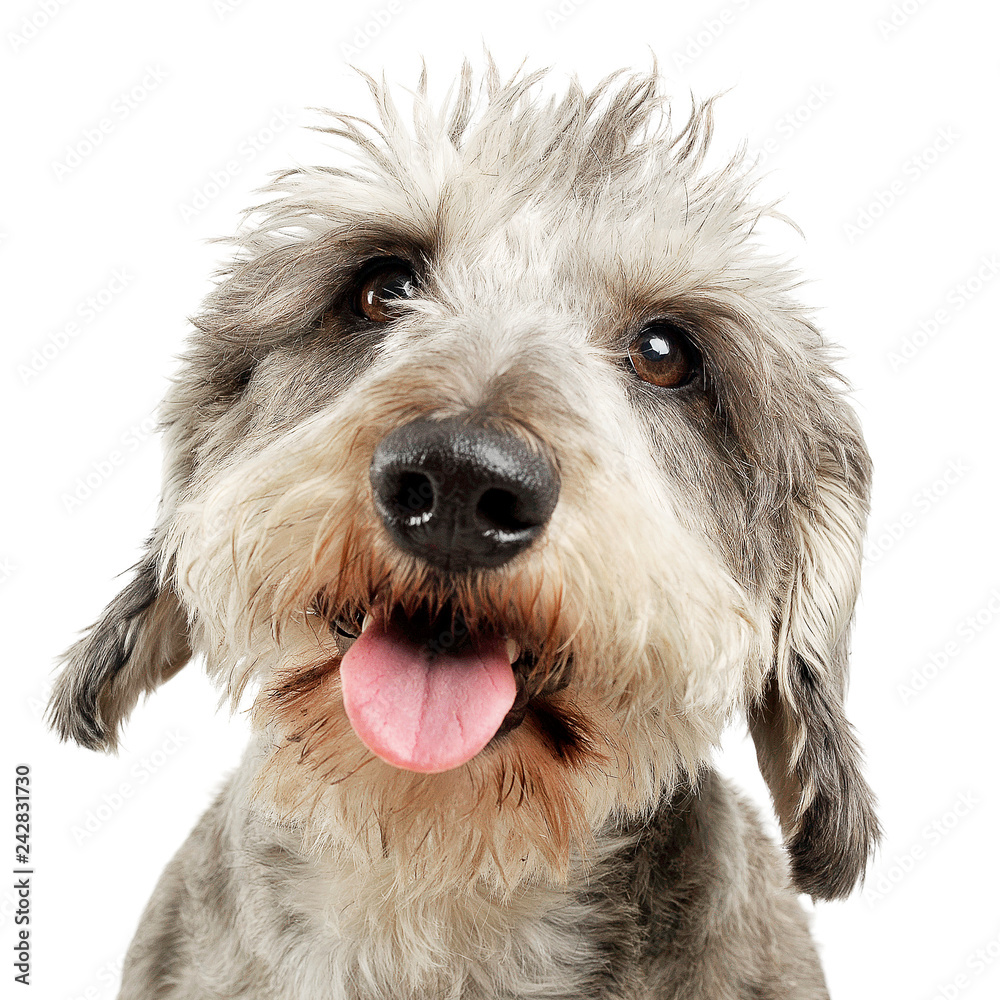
379	287
664	355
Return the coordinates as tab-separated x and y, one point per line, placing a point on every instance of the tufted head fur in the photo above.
704	554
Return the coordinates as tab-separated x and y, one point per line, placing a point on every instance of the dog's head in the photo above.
505	468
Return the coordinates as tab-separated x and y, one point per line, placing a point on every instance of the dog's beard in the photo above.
630	658
524	805
527	803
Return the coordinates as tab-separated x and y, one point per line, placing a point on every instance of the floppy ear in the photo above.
140	641
805	746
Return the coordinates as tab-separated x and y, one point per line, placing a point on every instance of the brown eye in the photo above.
663	355
380	286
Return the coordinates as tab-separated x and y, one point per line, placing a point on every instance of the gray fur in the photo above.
695	902
140	641
703	560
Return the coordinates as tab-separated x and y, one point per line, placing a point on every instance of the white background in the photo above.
855	104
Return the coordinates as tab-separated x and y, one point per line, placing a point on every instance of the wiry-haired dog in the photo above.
504	469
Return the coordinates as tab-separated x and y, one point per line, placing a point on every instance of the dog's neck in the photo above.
368	920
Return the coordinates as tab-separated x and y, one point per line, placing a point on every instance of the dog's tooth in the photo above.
368	619
513	650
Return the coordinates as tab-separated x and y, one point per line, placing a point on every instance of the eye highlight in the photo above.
663	355
379	287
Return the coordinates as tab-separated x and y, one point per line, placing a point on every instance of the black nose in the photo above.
459	495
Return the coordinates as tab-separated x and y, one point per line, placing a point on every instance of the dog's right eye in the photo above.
663	355
379	287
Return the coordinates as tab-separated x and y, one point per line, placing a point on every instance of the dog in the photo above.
503	469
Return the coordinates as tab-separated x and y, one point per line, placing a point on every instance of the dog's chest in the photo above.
376	939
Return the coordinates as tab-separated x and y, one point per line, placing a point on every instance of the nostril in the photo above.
459	495
413	496
502	509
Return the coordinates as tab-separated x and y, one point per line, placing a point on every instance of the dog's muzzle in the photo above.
461	495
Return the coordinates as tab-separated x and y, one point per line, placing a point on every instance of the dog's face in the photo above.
505	469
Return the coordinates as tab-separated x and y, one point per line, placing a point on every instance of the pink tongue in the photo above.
420	711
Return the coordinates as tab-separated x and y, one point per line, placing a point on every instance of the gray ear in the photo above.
140	641
805	746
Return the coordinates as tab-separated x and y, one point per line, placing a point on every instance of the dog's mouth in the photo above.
426	691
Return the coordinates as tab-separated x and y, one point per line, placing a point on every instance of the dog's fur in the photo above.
702	560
